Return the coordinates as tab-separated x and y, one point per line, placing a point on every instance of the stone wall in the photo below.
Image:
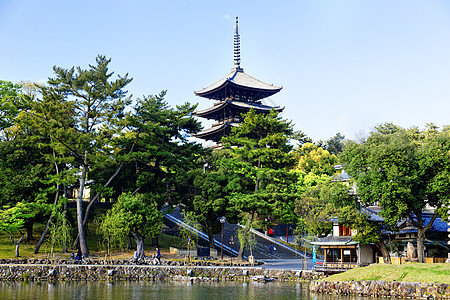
37	272
383	289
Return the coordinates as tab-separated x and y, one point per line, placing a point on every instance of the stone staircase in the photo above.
260	249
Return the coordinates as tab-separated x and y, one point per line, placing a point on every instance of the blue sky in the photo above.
345	66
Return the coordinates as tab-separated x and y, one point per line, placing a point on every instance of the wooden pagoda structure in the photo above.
235	94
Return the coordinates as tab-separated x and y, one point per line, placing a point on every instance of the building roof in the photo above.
372	214
211	112
335	241
405	225
240	86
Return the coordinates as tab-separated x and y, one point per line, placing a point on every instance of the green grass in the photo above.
411	272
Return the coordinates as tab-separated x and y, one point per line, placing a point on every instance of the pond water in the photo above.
159	290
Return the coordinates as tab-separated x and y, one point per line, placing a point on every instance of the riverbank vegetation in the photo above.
410	272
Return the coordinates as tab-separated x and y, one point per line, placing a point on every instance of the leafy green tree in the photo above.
246	238
258	154
60	227
47	119
301	137
162	154
320	200
10	99
24	166
12	220
210	201
314	159
114	229
135	215
189	238
335	145
368	230
97	104
404	171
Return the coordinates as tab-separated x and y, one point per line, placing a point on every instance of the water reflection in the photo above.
159	290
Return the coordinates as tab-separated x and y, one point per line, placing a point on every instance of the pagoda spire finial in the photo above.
237	46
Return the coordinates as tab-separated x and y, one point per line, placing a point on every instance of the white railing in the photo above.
200	234
275	242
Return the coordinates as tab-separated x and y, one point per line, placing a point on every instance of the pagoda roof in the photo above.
239	105
215	133
240	86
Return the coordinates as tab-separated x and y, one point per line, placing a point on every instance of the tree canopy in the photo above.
405	171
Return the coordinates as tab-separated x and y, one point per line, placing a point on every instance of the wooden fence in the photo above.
402	260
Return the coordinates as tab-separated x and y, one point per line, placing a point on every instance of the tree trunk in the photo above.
208	229
41	240
81	236
29	229
95	198
139	244
211	240
384	251
421	233
64	242
18	244
420	244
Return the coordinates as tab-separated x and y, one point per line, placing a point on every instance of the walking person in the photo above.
158	255
271	248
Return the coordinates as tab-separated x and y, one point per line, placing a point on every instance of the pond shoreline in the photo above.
379	288
119	272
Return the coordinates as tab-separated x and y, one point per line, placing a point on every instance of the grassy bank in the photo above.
411	272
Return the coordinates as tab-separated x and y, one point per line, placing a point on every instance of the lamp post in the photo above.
222	221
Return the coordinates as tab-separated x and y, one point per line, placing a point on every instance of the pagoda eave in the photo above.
240	86
215	133
215	112
239	92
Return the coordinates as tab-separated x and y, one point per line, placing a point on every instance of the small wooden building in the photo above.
341	252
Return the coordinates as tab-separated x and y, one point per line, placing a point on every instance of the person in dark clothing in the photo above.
79	255
271	248
158	255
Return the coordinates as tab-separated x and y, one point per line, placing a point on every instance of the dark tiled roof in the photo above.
406	227
213	130
238	104
238	78
373	215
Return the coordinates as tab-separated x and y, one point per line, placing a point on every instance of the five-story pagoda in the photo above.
236	94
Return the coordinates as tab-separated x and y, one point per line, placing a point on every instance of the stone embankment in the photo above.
377	288
38	270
